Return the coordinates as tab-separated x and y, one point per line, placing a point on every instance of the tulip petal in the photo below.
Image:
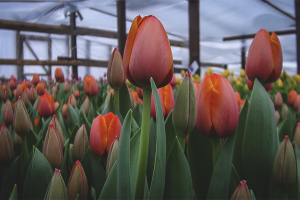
98	136
114	130
168	100
277	56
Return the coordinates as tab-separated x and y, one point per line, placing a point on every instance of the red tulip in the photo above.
40	88
8	113
196	86
56	105
216	101
167	100
59	75
6	146
46	106
148	53
134	98
264	60
103	132
76	94
35	79
36	121
296	102
90	86
12	84
64	110
32	96
242	192
292	97
139	92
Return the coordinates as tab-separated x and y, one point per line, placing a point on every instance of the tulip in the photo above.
134	98
103	132
77	183
56	105
46	106
90	86
8	113
40	88
52	148
250	84
2	93
67	87
278	100
112	156
115	71
139	92
32	94
64	110
167	100
76	94
57	188
36	121
264	60
284	171
8	93
58	129
59	75
72	100
86	106
22	122
297	135
296	102
196	86
25	99
215	102
20	90
143	59
284	111
241	192
184	112
173	82
81	143
277	116
35	79
292	97
12	84
6	146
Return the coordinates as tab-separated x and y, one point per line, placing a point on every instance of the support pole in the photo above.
73	44
243	55
49	56
20	55
194	32
88	55
121	14
297	13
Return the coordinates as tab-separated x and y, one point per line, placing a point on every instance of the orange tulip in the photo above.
27	84
90	86
59	75
35	79
64	110
148	53
264	60
196	86
40	88
217	108
296	102
76	94
46	106
20	89
167	100
12	77
292	97
103	132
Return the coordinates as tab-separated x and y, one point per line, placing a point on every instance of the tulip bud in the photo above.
2	96
56	105
40	88
35	79
59	75
297	102
18	140
12	84
67	87
81	143
6	146
278	100
64	110
52	148
8	93
292	97
72	101
277	116
284	171
22	123
77	183
25	99
242	192
76	94
58	129
57	188
36	121
8	113
115	71
32	94
184	112
297	135
284	111
112	156
19	91
90	86
86	106
46	106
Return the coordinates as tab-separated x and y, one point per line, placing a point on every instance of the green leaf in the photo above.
111	107
45	127
170	133
178	176
200	159
109	190
39	145
237	155
220	180
234	181
73	115
31	140
87	123
252	195
151	150
62	125
137	114
158	177
73	134
261	141
295	191
65	173
134	126
91	114
287	127
124	100
14	194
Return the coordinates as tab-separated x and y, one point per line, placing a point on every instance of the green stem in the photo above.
144	143
215	150
24	154
93	101
116	99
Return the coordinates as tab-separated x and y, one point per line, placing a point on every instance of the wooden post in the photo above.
297	13
88	55
194	32
121	14
243	55
49	56
20	54
73	44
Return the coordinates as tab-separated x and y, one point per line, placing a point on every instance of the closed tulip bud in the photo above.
77	183
8	113
215	102
81	143
35	79
2	93
40	88
86	106
142	63
184	112
58	129
6	146
284	171
64	110
59	75
56	105
284	111
32	94
90	86
296	102
72	100
112	156
46	106
25	99
167	100
115	71
103	132
76	94
18	140
22	122
278	100
264	53
8	93
52	148
297	135
292	97
57	188
277	116
19	91
67	87
242	192
12	84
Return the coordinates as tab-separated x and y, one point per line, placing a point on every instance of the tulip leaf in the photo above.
158	177
62	125
109	190
38	127
14	194
111	107
124	100
220	180
86	122
252	195
38	177
73	134
261	143
178	176
200	161
73	115
295	190
31	140
91	114
234	181
137	114
39	145
151	150
237	155
288	127
45	127
64	166
170	133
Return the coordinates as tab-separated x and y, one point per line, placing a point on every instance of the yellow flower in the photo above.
231	72
281	75
242	73
210	70
245	87
279	83
177	79
298	78
238	83
193	78
182	73
223	73
196	76
233	79
227	72
229	79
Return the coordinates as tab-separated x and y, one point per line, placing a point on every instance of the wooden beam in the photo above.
121	18
73	44
49	56
250	36
279	9
31	74
297	13
19	50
